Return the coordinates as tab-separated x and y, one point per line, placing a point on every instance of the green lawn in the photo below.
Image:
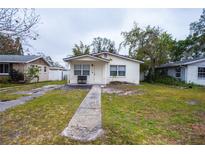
8	93
159	114
153	114
41	120
4	96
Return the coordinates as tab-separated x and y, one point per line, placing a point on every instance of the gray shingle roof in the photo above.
18	58
183	62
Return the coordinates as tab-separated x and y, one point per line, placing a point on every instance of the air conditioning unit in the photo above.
82	79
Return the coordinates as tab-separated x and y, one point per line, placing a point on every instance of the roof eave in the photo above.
138	61
77	57
37	59
12	62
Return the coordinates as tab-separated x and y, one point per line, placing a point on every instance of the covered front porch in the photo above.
87	71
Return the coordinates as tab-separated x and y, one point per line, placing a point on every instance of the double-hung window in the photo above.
86	69
178	72
113	70
77	69
81	69
117	70
4	68
121	70
201	72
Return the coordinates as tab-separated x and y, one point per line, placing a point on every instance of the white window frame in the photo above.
5	73
118	71
203	73
77	69
81	70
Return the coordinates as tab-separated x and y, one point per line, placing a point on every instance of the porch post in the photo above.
105	73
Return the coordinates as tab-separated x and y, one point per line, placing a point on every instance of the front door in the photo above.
97	75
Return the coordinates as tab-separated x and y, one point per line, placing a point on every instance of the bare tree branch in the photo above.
18	23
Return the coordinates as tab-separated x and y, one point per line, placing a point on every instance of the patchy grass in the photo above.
9	92
41	120
159	115
8	97
39	84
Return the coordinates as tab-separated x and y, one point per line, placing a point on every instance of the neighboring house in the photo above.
103	68
190	71
21	64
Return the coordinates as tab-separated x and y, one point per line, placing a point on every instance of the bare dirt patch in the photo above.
192	102
122	91
198	134
199	129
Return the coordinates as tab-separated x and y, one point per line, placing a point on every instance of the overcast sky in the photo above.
60	29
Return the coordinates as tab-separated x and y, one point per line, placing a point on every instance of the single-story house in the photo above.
102	68
190	71
21	63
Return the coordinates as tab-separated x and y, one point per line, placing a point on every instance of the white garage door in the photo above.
55	75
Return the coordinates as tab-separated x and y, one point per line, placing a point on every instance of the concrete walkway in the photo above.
86	124
34	93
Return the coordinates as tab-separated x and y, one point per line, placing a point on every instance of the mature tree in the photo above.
198	27
17	24
10	46
193	45
197	36
151	45
81	49
180	49
103	44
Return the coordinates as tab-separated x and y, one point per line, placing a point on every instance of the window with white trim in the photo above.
117	70
77	69
86	69
178	72
81	69
201	72
4	68
113	70
121	70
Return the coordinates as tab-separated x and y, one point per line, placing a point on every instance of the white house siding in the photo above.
132	70
97	70
100	70
192	73
172	72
